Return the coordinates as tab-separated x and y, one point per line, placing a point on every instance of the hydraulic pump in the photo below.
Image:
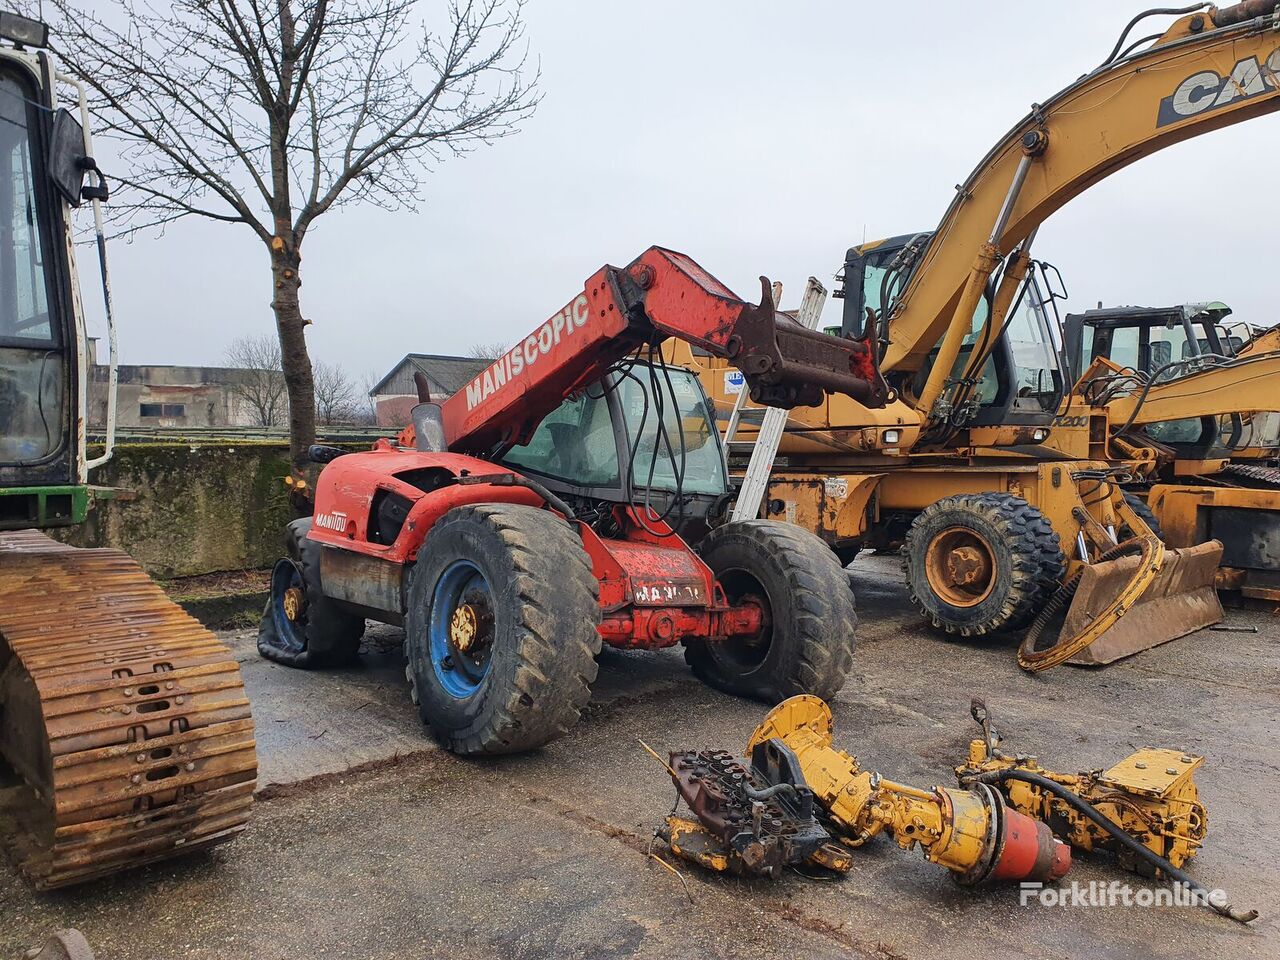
1151	796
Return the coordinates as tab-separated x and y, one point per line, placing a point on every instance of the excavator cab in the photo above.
1160	344
1022	380
42	402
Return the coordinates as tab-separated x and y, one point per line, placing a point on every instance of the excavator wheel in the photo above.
806	642
301	627
977	564
502	628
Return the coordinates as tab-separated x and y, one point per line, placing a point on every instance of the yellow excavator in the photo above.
1184	406
124	727
999	529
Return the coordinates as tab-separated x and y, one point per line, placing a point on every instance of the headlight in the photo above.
1038	435
891	437
23	30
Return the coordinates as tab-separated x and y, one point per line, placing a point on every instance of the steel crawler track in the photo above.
126	718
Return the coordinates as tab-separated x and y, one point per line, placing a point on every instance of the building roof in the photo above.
449	373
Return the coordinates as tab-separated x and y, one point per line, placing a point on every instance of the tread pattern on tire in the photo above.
825	615
1144	512
1034	548
559	616
333	634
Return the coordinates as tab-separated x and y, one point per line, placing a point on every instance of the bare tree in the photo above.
259	386
270	113
488	351
337	399
367	412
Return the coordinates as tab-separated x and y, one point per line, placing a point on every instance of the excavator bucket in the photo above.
1180	599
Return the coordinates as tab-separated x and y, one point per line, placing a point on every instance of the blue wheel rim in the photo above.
285	575
461	656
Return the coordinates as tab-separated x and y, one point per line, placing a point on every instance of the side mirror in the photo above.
67	160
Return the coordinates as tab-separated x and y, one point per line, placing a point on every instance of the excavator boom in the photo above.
1238	386
1209	70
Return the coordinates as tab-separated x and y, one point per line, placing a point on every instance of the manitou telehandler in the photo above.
1183	406
125	721
555	503
997	527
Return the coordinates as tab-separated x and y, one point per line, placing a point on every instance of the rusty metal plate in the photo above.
127	719
1181	600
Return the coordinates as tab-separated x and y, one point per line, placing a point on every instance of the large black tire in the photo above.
539	603
806	645
324	635
1020	565
1144	513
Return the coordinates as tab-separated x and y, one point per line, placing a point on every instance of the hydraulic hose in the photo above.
768	793
1154	12
512	480
1116	832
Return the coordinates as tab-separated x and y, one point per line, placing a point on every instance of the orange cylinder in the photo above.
1028	850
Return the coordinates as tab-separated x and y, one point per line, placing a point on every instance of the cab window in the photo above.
32	384
574	443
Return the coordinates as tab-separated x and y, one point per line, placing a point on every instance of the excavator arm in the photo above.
1241	386
660	294
1207	71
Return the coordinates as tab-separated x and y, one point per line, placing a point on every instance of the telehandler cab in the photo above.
554	504
998	528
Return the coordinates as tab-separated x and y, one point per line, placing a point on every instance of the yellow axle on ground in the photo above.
972	833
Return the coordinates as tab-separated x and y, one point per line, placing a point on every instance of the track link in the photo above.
126	718
1253	474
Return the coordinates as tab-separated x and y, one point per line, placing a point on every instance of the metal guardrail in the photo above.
204	435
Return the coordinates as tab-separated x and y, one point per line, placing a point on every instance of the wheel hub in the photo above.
463	626
960	566
967	566
293	601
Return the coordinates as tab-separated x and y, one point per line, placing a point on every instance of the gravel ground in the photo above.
415	853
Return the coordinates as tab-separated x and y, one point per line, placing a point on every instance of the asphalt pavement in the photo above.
370	842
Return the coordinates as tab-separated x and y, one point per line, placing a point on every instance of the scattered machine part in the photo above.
126	720
754	821
1145	809
972	832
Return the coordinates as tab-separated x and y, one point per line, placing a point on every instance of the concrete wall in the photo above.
198	509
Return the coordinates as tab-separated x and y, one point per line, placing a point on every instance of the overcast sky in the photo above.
758	137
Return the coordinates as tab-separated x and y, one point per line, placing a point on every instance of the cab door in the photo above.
38	339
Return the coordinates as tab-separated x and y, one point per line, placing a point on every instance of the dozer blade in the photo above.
1179	600
125	717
